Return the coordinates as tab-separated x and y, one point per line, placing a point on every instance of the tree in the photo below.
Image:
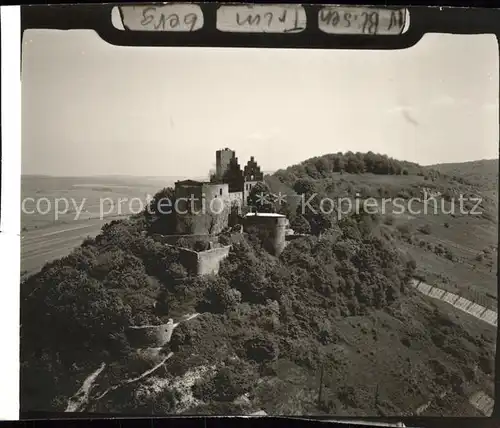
162	201
200	245
234	379
161	211
305	186
178	271
260	350
260	198
219	297
301	225
319	217
425	229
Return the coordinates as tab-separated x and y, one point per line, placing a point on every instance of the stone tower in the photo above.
271	230
223	159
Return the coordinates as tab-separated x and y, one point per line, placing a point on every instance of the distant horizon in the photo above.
201	177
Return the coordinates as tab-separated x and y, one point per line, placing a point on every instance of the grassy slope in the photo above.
396	359
469	235
465	235
398	356
483	173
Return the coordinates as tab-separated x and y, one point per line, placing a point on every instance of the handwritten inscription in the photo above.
170	17
361	20
261	19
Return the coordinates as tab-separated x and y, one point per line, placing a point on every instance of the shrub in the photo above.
178	271
119	345
404	230
404	194
88	241
347	395
201	245
425	229
183	243
389	220
304	186
261	350
224	240
301	225
220	298
486	363
232	380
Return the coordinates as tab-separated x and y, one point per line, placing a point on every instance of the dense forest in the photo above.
260	315
354	163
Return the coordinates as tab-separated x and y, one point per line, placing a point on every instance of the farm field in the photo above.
50	233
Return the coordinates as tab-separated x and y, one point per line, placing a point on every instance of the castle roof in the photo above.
189	183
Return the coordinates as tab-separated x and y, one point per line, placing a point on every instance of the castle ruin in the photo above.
204	208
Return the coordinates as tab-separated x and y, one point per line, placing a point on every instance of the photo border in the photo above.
15	19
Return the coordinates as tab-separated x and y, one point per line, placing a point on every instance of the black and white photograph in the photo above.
258	231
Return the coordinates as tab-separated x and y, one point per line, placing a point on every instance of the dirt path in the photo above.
80	400
136	379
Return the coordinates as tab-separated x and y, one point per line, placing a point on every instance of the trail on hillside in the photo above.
135	379
81	399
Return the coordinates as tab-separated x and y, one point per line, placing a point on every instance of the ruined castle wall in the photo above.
212	210
187	258
209	261
271	230
203	262
150	336
183	195
203	224
192	224
174	239
214	191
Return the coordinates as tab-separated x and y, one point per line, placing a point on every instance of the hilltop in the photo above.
482	173
336	305
454	248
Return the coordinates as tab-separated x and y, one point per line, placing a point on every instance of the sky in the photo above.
91	108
